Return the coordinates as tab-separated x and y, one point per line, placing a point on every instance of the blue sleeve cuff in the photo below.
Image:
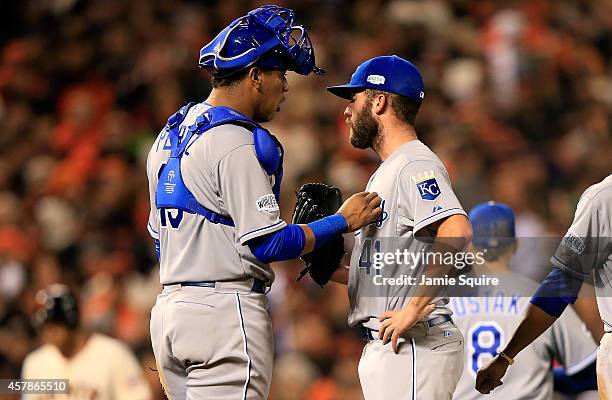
327	228
556	291
284	244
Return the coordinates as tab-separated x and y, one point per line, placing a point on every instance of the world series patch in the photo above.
427	185
267	203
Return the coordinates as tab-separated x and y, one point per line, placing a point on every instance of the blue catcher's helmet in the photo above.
265	37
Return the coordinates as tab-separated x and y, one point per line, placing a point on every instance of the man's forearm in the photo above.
309	239
418	304
425	294
587	309
533	325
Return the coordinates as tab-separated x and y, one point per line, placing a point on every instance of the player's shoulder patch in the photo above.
267	203
427	185
574	243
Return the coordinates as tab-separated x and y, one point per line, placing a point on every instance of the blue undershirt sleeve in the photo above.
289	242
284	244
557	290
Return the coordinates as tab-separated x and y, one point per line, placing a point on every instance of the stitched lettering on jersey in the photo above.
267	203
381	218
488	303
427	185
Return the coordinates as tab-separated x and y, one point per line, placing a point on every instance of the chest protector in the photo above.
171	191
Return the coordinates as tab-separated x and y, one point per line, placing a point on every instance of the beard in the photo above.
365	131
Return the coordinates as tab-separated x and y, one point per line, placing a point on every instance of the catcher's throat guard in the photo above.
171	191
265	37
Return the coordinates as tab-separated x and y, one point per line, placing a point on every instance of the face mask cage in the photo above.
294	38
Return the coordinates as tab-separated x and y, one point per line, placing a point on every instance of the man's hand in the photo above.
394	323
360	209
489	376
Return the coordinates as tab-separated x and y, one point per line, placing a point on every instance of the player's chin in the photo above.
268	117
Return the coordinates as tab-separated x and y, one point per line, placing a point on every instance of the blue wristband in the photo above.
327	228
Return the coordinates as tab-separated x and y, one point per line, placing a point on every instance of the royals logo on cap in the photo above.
427	185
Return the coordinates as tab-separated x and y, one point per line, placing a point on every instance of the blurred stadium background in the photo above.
518	106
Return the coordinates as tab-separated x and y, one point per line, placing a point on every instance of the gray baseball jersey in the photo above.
416	192
587	245
490	319
222	171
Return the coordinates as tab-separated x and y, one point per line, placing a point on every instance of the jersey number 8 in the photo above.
485	338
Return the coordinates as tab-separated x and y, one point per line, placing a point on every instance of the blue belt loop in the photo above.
214	218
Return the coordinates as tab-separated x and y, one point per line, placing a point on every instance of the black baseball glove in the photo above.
316	201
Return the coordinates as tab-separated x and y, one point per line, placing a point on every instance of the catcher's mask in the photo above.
267	38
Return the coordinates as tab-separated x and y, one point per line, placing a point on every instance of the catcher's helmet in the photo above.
265	37
58	305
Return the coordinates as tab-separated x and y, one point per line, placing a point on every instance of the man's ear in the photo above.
255	75
379	104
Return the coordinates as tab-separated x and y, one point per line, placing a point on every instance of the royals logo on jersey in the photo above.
427	185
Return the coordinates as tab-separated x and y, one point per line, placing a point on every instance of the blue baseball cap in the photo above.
390	74
493	224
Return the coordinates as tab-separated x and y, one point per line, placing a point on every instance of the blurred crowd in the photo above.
518	106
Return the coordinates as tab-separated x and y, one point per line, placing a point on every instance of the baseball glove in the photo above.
316	201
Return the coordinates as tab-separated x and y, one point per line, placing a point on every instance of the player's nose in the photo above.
347	112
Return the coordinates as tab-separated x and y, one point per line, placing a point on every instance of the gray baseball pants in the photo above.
428	366
213	343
